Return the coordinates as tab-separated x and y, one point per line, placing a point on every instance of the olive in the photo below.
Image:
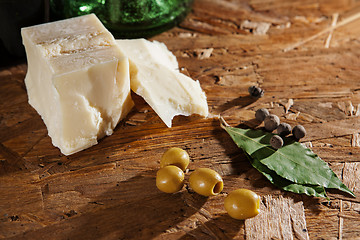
169	179
175	156
206	182
242	204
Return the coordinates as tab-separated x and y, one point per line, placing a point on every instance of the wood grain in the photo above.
281	218
108	190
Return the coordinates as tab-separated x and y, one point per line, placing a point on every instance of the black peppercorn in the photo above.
283	129
256	92
276	142
261	114
299	131
271	122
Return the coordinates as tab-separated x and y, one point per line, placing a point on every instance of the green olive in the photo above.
170	179
206	182
175	156
242	204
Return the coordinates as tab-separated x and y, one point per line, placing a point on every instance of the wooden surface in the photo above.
108	191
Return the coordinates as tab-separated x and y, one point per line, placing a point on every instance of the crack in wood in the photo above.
13	161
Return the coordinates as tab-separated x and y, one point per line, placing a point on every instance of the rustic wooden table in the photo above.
305	54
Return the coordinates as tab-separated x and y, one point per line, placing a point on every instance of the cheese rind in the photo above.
77	80
154	76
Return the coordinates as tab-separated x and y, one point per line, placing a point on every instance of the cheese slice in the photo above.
77	80
154	75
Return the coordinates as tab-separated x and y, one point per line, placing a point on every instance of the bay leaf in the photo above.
293	162
310	190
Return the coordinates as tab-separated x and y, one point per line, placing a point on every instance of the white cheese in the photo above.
77	80
154	76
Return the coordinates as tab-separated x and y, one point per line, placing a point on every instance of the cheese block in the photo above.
154	75
77	80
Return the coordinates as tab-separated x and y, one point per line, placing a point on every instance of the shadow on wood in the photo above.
133	209
222	227
237	102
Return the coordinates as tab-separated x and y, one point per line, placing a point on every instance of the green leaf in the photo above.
293	162
285	184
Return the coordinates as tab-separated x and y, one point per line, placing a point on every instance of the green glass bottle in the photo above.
126	18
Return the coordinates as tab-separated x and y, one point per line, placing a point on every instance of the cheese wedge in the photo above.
77	80
154	75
